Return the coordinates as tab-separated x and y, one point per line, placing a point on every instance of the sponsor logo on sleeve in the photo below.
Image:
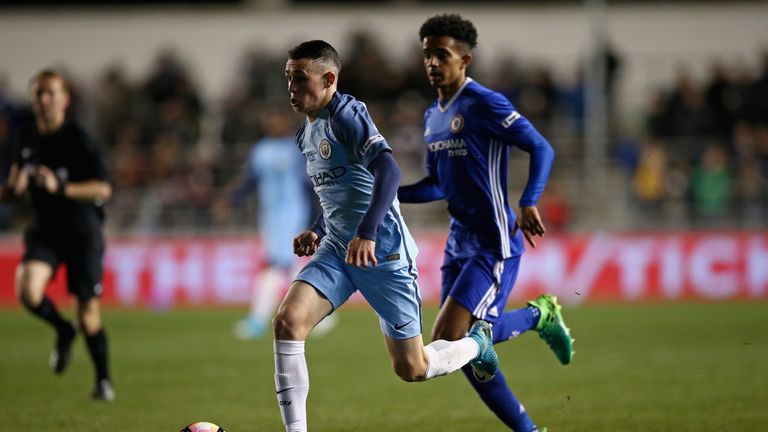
371	141
511	119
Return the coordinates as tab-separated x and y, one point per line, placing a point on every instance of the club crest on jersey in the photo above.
325	149
457	123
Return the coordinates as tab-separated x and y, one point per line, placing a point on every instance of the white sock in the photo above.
264	297
292	384
446	357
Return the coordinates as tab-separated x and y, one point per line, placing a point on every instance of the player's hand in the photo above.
46	179
306	243
530	223
361	251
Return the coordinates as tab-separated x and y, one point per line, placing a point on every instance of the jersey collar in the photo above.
453	98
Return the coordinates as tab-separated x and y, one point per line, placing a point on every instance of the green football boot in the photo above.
552	329
486	363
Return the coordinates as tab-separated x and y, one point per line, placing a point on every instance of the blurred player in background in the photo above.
359	242
65	174
277	172
468	132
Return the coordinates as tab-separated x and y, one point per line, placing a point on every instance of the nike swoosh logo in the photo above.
283	390
400	326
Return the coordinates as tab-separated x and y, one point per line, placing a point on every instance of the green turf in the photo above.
673	367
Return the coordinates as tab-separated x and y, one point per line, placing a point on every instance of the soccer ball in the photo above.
202	427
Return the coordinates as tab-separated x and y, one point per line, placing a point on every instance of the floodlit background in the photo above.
656	208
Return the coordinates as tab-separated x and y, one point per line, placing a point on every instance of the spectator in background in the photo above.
114	102
173	102
648	182
756	97
711	184
367	74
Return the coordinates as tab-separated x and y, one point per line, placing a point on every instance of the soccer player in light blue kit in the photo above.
468	132
360	242
275	170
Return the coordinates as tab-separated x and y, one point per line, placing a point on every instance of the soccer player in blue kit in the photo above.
359	242
468	132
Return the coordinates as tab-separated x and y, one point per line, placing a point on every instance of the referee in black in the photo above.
66	177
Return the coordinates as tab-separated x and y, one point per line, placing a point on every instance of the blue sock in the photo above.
499	398
514	323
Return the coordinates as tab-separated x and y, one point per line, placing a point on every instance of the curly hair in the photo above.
452	25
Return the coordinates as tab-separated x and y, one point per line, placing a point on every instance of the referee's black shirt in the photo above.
73	156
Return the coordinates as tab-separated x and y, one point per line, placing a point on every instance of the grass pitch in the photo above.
661	367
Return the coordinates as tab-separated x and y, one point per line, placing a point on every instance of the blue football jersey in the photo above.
338	146
468	139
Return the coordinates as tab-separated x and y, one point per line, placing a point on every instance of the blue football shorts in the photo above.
391	291
481	282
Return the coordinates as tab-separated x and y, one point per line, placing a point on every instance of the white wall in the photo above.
652	39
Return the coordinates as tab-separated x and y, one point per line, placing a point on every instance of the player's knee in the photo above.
24	285
409	371
89	316
289	325
90	325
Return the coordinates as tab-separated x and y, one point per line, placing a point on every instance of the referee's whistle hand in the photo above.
46	179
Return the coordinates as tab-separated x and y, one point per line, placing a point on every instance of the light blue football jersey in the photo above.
283	201
338	146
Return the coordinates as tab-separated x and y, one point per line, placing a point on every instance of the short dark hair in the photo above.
50	73
452	25
314	50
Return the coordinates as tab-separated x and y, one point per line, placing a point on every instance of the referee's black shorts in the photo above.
81	252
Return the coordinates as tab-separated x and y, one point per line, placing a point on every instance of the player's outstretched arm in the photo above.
425	190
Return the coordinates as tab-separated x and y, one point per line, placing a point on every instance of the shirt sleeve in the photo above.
505	124
386	175
425	190
354	127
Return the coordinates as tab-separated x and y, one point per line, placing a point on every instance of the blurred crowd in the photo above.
702	153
